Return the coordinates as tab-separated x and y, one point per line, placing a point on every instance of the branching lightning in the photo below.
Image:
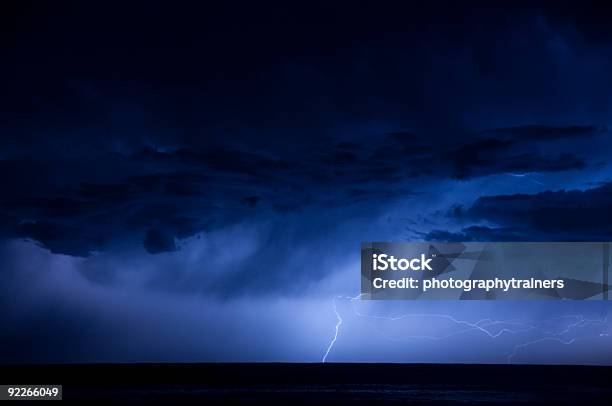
555	337
338	323
525	175
483	326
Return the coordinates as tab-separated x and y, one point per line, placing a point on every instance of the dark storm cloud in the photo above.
222	164
82	218
157	241
153	135
490	156
479	234
564	215
544	132
156	196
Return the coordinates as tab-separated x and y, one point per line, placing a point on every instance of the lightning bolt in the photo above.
525	175
483	326
580	322
338	323
524	345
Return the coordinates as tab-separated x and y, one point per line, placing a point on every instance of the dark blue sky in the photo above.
192	183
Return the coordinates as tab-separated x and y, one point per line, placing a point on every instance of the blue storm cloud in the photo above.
199	193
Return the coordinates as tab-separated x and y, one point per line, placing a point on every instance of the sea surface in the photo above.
315	384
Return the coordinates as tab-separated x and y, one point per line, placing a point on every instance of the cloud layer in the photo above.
194	185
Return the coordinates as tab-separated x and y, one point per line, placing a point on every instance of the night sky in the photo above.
184	182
